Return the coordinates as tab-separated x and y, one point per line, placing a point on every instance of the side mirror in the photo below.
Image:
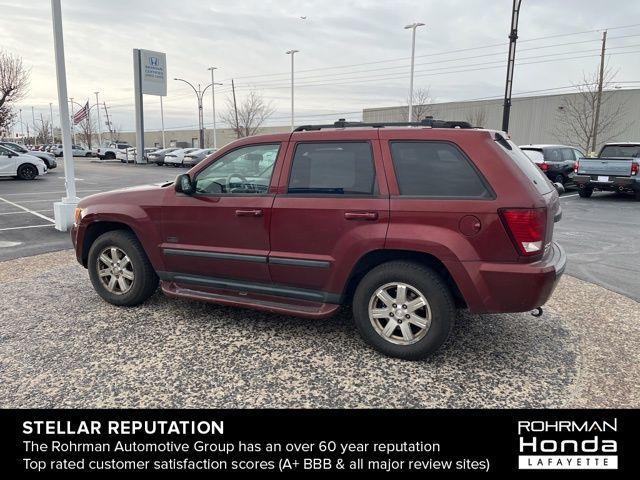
559	187
185	185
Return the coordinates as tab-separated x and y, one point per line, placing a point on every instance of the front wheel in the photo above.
404	310
120	270
27	172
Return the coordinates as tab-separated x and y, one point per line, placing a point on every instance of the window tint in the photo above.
567	155
533	173
536	156
333	168
244	171
435	169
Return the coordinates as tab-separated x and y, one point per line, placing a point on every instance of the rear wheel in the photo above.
120	270
109	156
585	192
404	310
27	172
636	195
559	179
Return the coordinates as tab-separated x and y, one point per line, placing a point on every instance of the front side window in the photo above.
436	169
333	168
246	170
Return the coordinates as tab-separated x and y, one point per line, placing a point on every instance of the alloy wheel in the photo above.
115	270
400	313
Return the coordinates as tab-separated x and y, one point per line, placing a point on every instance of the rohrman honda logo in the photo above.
154	61
567	445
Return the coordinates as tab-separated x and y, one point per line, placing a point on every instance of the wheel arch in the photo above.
374	258
95	229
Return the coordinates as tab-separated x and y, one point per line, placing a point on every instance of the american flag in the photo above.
81	114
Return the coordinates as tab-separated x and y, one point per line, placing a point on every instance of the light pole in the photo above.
99	126
73	125
162	120
33	122
199	94
292	53
511	61
21	126
413	27
213	105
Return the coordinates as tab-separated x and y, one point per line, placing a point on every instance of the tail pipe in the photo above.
537	312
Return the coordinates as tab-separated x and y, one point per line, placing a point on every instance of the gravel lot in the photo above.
61	346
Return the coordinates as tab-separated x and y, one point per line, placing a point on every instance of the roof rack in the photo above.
425	122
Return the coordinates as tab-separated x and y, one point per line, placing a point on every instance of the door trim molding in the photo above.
296	262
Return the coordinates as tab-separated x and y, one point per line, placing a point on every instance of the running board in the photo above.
319	310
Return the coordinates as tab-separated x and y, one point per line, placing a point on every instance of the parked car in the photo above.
403	224
77	150
176	157
195	157
20	165
616	169
157	157
110	151
47	158
556	161
128	155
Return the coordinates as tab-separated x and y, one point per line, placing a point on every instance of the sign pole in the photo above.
64	210
137	79
162	121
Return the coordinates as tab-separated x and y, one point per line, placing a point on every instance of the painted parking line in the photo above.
33	212
26	226
50	193
24	213
572	195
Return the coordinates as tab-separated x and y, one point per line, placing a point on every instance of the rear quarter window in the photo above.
436	169
532	172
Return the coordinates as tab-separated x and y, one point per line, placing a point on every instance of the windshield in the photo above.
628	151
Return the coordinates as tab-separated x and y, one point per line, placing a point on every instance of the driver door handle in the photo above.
249	213
361	215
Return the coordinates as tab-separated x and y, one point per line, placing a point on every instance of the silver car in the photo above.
157	157
193	158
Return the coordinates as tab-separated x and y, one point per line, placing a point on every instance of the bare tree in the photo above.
422	104
252	113
575	117
42	131
88	128
14	78
477	118
8	118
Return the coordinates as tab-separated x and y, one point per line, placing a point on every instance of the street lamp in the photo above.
213	104
199	94
292	52
53	138
413	27
99	126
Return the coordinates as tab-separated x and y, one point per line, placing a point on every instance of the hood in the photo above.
125	195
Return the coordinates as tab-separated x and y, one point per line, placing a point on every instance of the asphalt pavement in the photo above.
62	346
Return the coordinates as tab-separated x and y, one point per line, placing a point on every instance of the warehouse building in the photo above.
535	119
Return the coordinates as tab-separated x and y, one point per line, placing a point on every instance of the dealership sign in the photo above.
153	69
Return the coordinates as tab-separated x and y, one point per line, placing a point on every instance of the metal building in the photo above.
533	119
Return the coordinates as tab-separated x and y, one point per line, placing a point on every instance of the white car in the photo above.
128	155
22	166
176	157
77	151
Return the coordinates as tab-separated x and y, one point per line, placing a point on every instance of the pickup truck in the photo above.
615	169
110	152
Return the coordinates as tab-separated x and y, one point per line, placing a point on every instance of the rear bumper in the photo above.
614	183
513	287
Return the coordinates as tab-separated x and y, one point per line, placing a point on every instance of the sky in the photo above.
353	54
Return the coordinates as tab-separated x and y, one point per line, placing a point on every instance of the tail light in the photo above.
526	227
543	166
634	168
576	166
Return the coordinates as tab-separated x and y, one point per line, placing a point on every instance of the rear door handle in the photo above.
361	215
249	213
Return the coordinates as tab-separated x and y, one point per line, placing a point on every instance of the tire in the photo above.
416	278
88	154
560	179
27	171
585	192
144	281
636	195
109	156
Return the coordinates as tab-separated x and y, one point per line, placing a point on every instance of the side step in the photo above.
319	310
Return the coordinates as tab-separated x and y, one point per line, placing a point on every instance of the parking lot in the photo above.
60	345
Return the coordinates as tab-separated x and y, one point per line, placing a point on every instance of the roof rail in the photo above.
425	122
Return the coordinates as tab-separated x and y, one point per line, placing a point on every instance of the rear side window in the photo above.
436	169
532	172
333	168
536	156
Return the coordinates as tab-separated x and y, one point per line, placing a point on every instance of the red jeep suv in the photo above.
404	222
